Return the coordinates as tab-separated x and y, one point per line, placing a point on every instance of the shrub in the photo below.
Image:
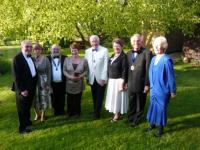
5	66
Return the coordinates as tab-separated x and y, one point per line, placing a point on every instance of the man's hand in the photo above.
24	93
102	82
146	89
47	88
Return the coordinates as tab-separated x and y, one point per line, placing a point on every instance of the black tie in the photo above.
135	52
133	56
94	50
55	57
28	55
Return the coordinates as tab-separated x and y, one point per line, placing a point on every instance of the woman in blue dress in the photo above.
162	86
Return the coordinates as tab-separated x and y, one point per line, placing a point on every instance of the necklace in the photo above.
56	65
37	58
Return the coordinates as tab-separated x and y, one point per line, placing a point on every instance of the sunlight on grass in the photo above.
182	131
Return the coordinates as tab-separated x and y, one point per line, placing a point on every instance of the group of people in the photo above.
46	81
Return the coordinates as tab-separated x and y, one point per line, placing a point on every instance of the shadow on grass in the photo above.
87	115
187	99
186	103
184	124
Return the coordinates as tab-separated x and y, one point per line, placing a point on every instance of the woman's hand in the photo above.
75	78
125	87
173	95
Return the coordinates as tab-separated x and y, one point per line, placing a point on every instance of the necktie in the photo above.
55	57
134	55
136	51
28	55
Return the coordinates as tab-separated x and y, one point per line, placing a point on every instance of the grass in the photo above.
182	132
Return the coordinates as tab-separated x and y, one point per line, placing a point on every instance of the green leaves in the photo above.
52	20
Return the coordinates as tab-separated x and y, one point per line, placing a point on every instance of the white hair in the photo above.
25	42
160	41
55	45
94	37
137	36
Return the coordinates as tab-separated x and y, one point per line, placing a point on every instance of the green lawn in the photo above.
182	132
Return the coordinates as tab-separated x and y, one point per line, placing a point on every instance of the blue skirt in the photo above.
157	112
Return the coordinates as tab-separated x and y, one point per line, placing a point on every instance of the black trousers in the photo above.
23	110
74	104
98	96
137	103
58	98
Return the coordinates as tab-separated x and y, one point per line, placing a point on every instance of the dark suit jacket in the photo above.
139	77
22	75
119	67
62	86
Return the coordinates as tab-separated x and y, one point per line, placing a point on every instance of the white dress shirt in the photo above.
98	64
56	69
135	55
30	65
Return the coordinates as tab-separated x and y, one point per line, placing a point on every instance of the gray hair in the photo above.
138	36
25	42
94	37
160	41
55	45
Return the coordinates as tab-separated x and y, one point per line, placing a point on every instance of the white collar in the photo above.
25	56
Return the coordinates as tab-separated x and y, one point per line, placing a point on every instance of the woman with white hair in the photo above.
162	85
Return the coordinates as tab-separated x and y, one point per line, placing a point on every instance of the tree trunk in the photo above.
81	34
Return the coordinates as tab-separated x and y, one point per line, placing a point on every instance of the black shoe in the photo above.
28	130
60	113
70	115
130	118
158	135
76	116
25	131
29	123
97	116
160	132
150	128
133	124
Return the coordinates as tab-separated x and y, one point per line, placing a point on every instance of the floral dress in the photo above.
43	91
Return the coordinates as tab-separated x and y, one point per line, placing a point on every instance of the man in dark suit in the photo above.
138	80
58	81
25	78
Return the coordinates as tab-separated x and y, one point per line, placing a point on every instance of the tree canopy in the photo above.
50	20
